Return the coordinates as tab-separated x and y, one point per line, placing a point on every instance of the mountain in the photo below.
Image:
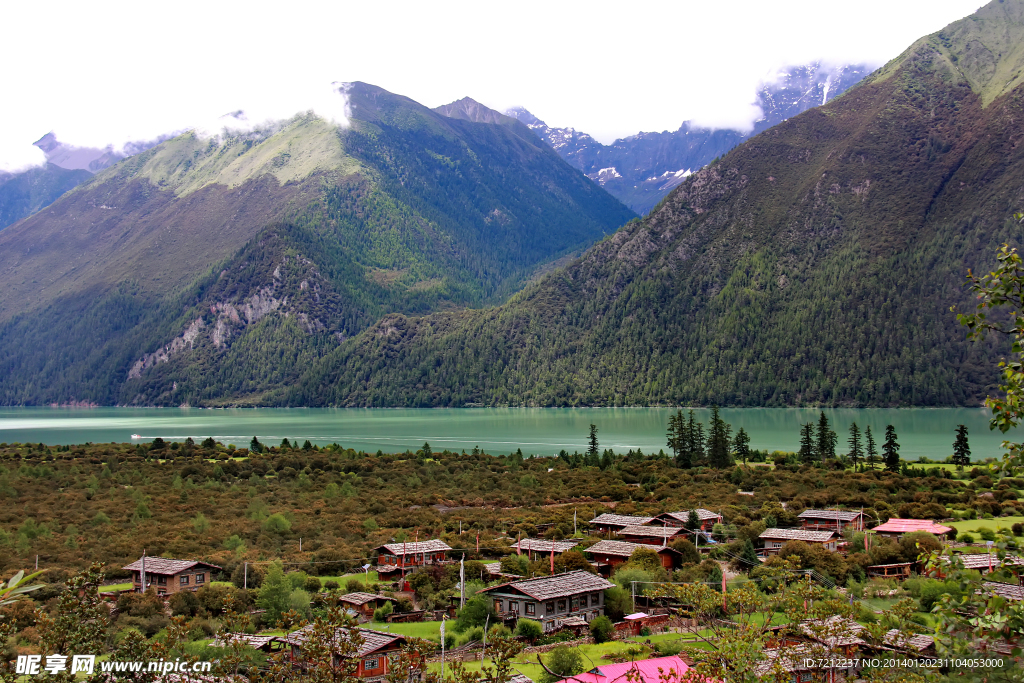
25	192
641	169
203	268
816	263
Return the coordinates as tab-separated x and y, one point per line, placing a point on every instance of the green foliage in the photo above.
475	613
274	593
529	629
617	603
184	603
562	662
961	448
277	524
380	615
602	629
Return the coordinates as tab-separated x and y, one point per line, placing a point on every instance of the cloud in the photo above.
111	71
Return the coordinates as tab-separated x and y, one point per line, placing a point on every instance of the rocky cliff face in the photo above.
641	169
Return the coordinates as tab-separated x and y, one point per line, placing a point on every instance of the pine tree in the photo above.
807	455
871	455
741	445
692	521
891	450
961	449
593	453
676	436
826	446
255	446
856	453
719	441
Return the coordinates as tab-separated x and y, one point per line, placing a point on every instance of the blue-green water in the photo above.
541	431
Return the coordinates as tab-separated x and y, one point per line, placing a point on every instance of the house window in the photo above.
372	663
200	578
497	605
513	606
561	605
161	580
576	604
549	607
531	608
183	580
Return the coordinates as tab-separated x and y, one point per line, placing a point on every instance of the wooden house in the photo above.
377	653
1007	591
774	539
609	523
607	555
707	519
398	559
982	562
652	535
898	571
365	603
831	520
550	599
542	547
170	576
896	528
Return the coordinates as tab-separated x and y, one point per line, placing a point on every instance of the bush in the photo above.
380	615
449	641
602	629
965	538
312	585
617	603
564	662
1018	529
331	585
277	524
529	629
986	534
354	585
475	613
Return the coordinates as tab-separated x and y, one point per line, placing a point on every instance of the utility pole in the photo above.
245	576
143	570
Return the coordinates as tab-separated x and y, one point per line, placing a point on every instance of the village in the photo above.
613	591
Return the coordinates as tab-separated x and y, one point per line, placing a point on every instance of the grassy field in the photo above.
110	587
972	525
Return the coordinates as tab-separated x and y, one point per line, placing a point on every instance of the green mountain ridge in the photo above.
814	264
121	286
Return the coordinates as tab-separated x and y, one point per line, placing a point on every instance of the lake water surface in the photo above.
541	431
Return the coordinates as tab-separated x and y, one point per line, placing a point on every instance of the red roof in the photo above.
646	668
905	526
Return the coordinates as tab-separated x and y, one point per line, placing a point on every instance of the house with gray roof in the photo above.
170	576
551	599
774	539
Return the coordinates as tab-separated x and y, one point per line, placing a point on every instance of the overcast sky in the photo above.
99	73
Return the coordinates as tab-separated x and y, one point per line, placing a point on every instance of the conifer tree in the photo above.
741	445
676	435
807	443
826	446
891	450
856	451
719	433
871	454
592	452
961	449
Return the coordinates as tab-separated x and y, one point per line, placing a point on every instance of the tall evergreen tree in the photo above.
891	450
676	435
961	449
807	443
871	454
592	452
856	451
741	445
719	441
693	442
692	521
826	446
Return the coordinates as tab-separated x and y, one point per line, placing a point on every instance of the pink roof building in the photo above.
648	670
897	527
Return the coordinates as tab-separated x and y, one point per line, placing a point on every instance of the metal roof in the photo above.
432	546
683	516
798	535
651	531
372	640
162	565
558	586
608	519
363	598
840	515
623	548
904	526
545	546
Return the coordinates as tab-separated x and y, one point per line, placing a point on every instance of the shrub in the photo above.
986	534
277	524
380	615
475	613
331	585
965	538
449	640
100	519
617	603
602	629
564	662
312	585
1018	529
353	585
529	629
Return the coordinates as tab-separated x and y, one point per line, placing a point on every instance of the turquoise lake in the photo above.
541	431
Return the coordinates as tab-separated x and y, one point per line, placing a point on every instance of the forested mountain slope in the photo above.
815	263
145	284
